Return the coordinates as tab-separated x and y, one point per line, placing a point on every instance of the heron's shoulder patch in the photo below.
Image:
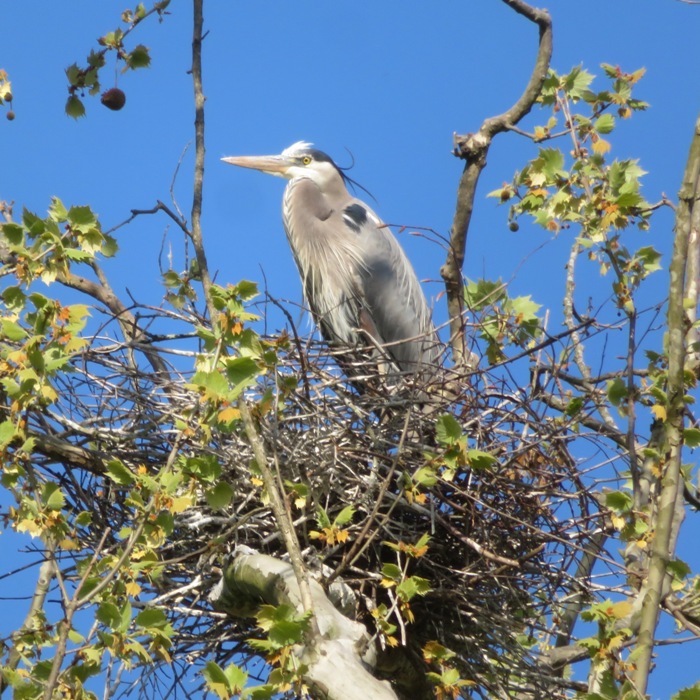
355	216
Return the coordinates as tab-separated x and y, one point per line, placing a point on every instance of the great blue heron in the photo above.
357	280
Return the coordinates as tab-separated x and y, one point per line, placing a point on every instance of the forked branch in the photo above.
473	148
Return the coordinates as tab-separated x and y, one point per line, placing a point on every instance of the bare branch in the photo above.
473	148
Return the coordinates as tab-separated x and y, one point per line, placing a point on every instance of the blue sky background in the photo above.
389	81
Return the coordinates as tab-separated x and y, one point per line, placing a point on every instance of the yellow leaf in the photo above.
28	525
342	536
601	146
618	521
637	75
49	393
659	412
388	583
227	415
392	641
620	610
181	503
68	545
132	588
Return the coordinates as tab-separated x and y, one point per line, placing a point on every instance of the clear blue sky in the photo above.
388	80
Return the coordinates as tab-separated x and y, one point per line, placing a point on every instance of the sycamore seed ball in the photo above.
114	98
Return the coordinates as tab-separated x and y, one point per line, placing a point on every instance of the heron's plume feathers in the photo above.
299	146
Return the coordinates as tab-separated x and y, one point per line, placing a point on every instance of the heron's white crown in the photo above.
296	147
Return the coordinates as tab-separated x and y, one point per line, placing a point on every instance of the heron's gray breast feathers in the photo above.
330	262
354	269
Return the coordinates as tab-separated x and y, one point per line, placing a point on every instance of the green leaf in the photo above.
448	429
217	681
322	518
413	586
74	107
619	501
8	430
139	57
109	615
391	571
345	516
691	693
691	437
425	476
241	372
551	162
212	384
13	232
57	211
82	218
124	618
524	308
480	460
110	247
483	293
12	330
237	678
604	124
678	568
151	618
52	496
119	473
14	298
617	391
219	496
171	279
577	82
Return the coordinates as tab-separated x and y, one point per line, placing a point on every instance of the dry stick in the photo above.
669	513
473	148
282	515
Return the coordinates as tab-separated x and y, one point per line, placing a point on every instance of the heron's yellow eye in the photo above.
306	160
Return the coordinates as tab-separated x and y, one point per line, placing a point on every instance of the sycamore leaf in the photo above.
692	693
345	516
617	391
619	501
691	437
219	496
74	107
119	473
448	429
601	146
604	124
217	681
52	496
659	412
8	430
480	460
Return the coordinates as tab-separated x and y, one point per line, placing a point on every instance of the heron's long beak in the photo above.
274	165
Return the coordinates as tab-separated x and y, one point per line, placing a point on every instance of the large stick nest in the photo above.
504	538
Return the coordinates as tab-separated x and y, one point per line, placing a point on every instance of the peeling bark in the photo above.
340	654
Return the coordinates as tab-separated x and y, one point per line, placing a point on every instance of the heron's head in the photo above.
301	159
